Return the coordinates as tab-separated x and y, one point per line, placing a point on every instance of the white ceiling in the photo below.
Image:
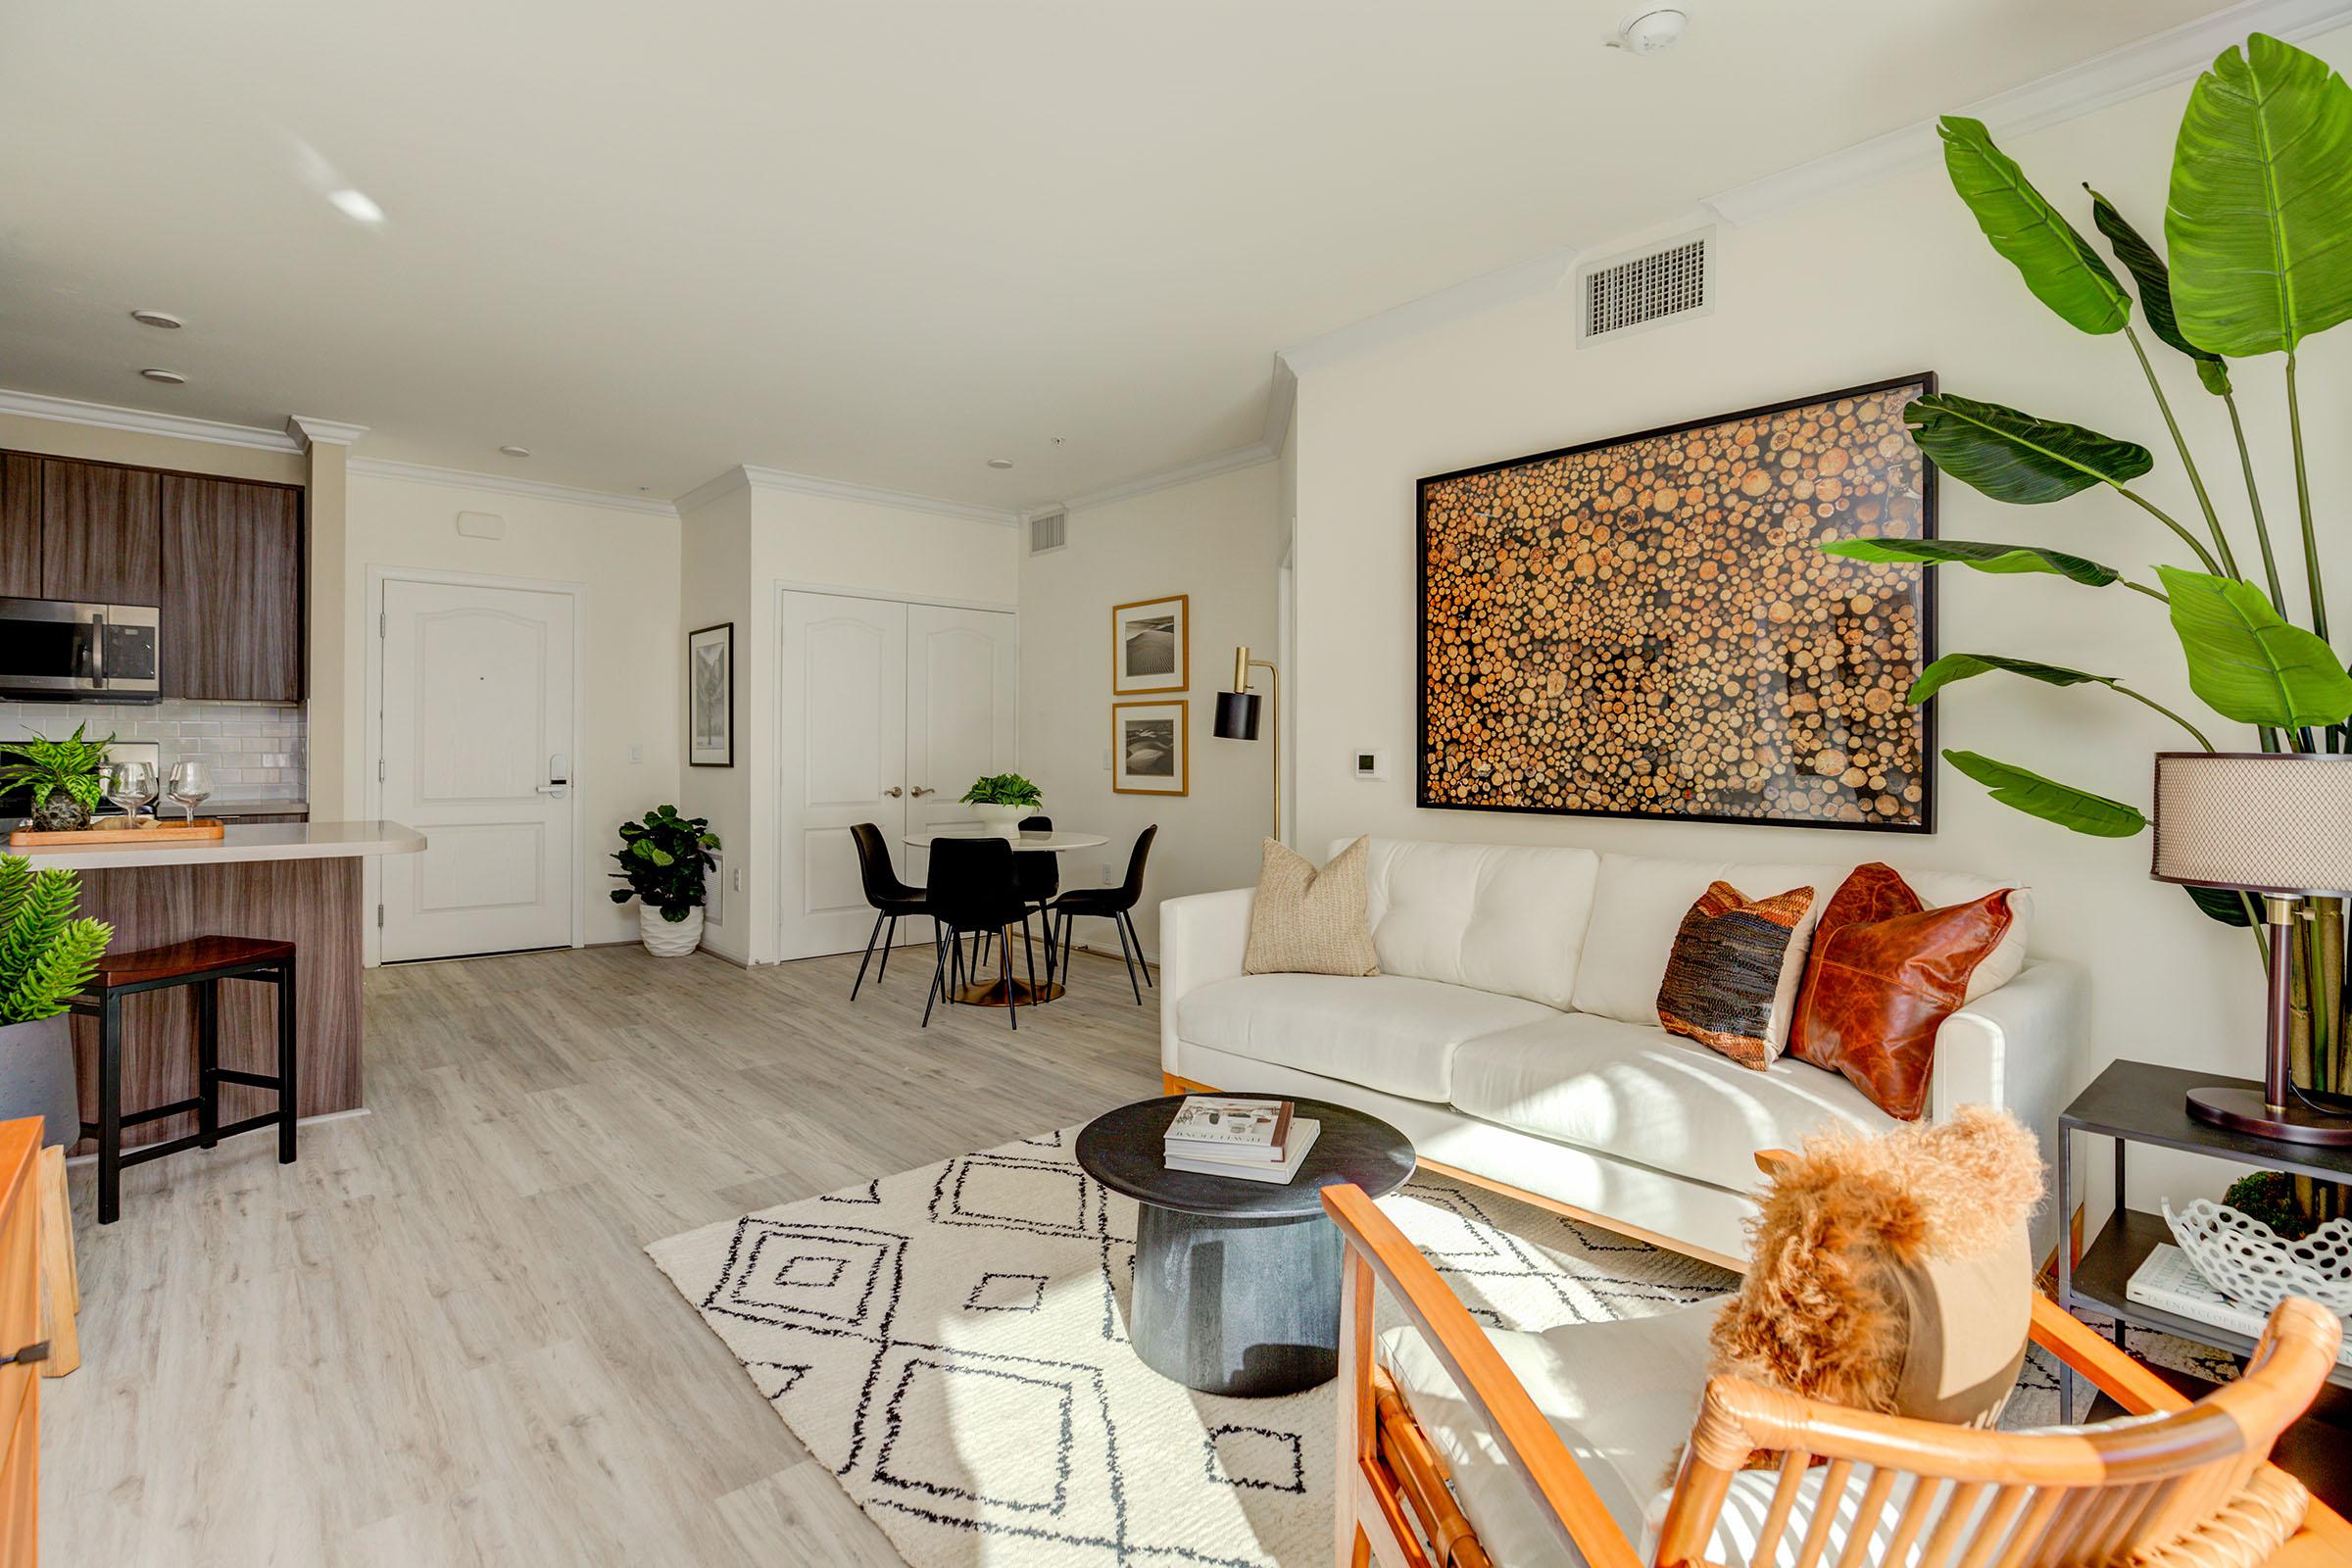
874	240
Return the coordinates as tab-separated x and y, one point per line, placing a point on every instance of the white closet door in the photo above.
964	682
843	668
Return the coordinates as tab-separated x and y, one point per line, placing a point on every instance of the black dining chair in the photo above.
1039	878
1115	904
973	889
890	898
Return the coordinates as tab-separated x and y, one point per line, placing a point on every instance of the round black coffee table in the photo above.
1236	1282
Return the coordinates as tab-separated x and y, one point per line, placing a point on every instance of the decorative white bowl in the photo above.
1006	819
2250	1263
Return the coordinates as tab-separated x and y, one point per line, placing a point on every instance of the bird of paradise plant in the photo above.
2258	226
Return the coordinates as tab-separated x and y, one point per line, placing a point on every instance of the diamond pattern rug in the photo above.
951	1340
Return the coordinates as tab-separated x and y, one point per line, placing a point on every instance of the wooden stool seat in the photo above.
185	961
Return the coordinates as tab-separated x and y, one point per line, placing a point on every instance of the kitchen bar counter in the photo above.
295	882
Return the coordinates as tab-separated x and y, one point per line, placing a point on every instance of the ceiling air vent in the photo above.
1664	283
1047	530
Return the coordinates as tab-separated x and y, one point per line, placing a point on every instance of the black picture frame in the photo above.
694	698
1925	594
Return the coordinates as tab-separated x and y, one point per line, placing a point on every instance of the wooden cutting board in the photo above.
118	835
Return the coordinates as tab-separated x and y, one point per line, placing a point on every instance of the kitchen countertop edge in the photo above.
242	842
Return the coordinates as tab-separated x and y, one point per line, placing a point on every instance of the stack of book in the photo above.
2168	1282
1255	1140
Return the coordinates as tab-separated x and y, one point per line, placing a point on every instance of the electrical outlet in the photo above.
1105	758
1111	875
739	879
636	752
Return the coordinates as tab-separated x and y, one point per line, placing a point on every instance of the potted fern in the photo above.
665	860
63	777
46	955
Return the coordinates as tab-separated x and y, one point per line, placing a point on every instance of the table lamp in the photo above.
2276	824
1237	716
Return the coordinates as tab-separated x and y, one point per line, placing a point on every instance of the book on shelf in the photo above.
1302	1133
1231	1127
2168	1282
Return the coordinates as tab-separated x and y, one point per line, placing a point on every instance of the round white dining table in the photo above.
1052	843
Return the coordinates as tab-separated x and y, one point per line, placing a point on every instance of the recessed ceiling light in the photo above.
1000	462
355	204
162	319
168	377
515	452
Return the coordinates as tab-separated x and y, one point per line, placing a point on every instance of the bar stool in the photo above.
203	963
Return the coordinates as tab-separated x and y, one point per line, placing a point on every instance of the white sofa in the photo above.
1513	1032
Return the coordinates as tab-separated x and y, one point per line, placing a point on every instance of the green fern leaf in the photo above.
59	971
15	877
39	920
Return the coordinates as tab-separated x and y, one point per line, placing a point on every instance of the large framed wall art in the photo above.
1646	626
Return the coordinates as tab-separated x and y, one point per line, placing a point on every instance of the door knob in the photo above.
921	790
894	792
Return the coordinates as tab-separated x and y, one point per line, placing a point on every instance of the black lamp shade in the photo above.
1237	716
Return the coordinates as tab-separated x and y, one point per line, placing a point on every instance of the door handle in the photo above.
921	790
559	774
894	792
553	786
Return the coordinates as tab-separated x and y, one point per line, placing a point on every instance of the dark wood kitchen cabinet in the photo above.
231	590
19	526
100	533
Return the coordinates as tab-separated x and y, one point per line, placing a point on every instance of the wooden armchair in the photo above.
2191	1487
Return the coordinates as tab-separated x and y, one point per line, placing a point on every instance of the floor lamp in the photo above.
1237	716
2278	825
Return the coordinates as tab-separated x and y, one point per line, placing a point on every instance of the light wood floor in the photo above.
434	1340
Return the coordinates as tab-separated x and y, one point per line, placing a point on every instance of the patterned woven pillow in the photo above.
1307	921
1733	974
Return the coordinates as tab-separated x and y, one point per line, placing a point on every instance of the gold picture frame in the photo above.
1152	747
1152	646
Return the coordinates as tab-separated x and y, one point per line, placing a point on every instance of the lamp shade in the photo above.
1237	716
2272	822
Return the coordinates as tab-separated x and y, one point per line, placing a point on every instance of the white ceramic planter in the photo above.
668	939
1006	819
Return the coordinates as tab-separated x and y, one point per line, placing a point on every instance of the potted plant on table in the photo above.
1000	800
665	860
46	955
63	777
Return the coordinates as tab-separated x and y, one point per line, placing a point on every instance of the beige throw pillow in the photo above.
1307	921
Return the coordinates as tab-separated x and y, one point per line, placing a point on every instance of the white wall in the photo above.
1879	282
1218	540
631	683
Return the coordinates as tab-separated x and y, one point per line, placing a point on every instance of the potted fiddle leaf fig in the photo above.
2258	224
63	777
46	955
665	860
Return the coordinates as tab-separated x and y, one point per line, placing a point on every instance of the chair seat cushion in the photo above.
1386	1032
1641	1093
1620	1395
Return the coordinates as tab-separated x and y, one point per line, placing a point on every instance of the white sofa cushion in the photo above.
1499	917
1621	1395
1638	1093
1386	1032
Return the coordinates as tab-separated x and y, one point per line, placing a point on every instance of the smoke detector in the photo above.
1651	29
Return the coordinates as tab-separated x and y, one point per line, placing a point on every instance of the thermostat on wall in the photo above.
1368	764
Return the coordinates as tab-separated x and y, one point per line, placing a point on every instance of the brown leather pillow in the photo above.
1883	974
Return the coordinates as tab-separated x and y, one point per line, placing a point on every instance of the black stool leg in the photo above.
208	1064
287	1088
110	1109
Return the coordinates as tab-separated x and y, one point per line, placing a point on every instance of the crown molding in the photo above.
508	484
2159	59
307	431
751	477
1282	401
1208	467
1530	279
141	421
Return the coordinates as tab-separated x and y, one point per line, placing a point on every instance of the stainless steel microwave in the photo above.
61	650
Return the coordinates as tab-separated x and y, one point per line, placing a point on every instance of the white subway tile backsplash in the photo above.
262	748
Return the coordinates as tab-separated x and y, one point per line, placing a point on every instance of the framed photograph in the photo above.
1150	749
1151	645
1647	626
711	696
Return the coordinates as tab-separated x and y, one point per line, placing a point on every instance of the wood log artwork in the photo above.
1645	626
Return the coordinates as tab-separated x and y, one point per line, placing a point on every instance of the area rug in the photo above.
951	1342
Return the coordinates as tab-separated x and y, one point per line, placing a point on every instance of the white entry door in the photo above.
478	751
889	711
843	732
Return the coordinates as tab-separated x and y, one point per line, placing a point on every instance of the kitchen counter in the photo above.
251	841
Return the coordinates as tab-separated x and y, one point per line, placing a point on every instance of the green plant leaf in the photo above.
2155	282
1978	557
2246	663
2220	904
2261	206
1963	667
2058	265
2049	800
2016	458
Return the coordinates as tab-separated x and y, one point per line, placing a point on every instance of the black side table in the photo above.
2140	1103
1236	1282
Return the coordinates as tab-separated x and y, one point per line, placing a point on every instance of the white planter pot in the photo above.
1006	819
670	939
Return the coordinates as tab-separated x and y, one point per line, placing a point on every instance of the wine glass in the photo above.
130	785
191	785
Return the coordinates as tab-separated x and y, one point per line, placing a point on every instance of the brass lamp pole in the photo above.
1237	716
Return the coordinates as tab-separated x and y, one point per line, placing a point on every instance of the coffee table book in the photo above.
2168	1280
1302	1138
1230	1127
